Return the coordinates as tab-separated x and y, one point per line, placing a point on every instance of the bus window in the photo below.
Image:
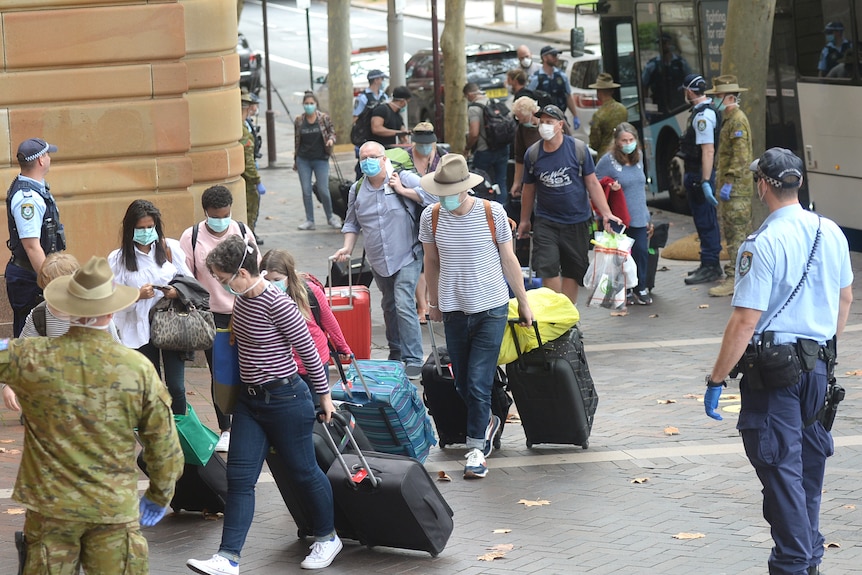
627	72
824	40
666	53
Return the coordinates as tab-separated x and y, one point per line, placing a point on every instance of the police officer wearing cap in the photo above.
697	150
34	228
551	79
834	50
793	295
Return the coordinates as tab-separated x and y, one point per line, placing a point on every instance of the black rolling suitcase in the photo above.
553	390
656	242
201	487
391	501
445	405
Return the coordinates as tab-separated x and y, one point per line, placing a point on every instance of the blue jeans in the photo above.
473	341
495	163
705	217
640	254
403	332
305	167
175	373
282	418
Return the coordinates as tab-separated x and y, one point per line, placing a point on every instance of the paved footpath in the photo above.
597	520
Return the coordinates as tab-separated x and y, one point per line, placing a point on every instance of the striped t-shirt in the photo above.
471	274
267	329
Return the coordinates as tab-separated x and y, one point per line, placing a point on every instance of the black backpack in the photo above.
361	130
500	126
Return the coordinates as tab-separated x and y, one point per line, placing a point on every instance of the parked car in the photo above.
250	65
487	65
362	61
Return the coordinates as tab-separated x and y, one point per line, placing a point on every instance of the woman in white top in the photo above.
147	260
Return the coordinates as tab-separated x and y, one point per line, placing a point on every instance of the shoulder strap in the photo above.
39	319
581	155
490	219
533	154
315	307
194	243
241	229
435	215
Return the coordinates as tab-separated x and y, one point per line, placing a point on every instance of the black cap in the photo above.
401	93
374	74
552	111
695	83
834	27
34	148
549	50
780	167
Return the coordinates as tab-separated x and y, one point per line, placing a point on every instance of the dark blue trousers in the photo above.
24	294
705	217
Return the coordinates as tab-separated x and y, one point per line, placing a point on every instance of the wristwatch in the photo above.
710	383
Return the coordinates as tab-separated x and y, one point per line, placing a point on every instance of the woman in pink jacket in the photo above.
280	269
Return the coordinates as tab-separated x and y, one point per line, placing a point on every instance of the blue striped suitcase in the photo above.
387	407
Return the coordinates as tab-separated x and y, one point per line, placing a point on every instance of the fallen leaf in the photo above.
854	372
513	418
16	511
501	531
730	397
692	396
663	269
491	556
190	392
849	507
502	547
665	401
689	536
640	480
619	313
7	441
832	545
530	503
653	315
9	451
270	218
703	306
441	476
671	430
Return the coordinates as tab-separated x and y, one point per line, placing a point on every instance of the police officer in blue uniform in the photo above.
698	149
553	81
34	228
792	297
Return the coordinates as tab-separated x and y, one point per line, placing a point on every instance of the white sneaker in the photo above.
322	553
306	225
335	221
476	467
223	442
215	565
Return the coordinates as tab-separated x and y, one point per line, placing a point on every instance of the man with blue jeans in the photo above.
385	209
468	242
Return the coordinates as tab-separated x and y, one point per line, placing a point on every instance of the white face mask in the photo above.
547	131
526	62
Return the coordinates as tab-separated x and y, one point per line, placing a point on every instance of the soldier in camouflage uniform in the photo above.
610	115
250	175
83	395
733	178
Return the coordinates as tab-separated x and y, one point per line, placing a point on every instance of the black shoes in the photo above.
704	274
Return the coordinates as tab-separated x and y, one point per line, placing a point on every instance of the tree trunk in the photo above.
340	82
499	16
549	15
239	5
452	44
745	54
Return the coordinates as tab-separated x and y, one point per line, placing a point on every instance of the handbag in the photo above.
226	379
355	272
197	440
177	327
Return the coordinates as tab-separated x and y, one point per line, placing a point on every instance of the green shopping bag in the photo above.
196	439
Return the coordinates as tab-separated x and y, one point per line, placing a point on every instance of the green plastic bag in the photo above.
196	439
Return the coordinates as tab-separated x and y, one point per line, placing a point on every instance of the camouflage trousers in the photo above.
252	204
60	547
735	217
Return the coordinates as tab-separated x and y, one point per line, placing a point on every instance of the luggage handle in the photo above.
349	306
437	365
343	382
512	323
359	476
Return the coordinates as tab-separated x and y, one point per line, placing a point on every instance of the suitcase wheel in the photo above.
529	445
497	442
586	445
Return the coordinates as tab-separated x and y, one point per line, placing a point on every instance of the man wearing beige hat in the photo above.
610	115
468	260
732	178
84	396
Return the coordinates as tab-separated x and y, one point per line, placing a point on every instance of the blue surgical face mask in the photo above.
424	149
370	166
451	203
218	225
629	148
830	38
309	108
280	284
145	236
718	104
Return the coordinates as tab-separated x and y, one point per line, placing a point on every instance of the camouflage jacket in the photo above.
734	154
250	174
83	395
605	120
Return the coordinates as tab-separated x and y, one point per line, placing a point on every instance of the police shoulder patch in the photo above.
27	211
745	263
701	125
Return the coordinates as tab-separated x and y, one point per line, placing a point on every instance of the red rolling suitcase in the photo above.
390	501
351	306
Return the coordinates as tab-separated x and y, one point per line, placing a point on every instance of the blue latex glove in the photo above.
150	512
710	401
576	122
725	192
260	189
708	193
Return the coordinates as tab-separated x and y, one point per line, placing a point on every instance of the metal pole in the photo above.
270	114
435	59
310	73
